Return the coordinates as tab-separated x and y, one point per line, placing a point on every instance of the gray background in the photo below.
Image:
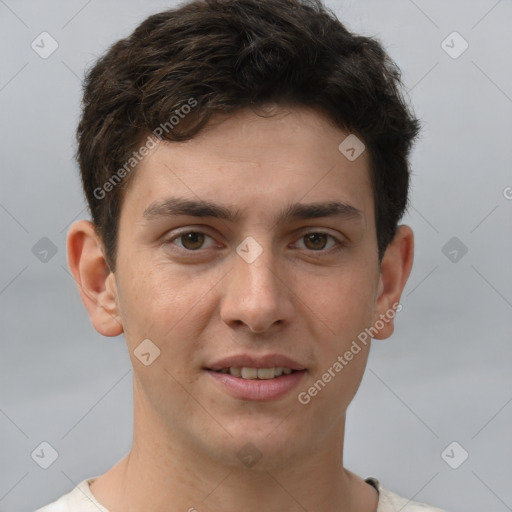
445	374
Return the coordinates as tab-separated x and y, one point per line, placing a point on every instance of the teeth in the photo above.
256	373
249	373
266	373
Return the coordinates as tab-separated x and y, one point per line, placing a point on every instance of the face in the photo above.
251	246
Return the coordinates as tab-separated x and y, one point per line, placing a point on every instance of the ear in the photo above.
395	269
96	283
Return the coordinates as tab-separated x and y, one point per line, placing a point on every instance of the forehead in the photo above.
257	163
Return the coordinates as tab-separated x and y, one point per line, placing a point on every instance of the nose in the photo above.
257	295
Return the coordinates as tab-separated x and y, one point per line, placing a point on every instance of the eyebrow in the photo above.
175	206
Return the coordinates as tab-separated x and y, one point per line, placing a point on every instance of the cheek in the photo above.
344	306
162	304
344	303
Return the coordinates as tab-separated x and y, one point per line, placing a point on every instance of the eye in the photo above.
190	240
317	241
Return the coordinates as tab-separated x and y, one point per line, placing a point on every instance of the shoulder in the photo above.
80	499
392	502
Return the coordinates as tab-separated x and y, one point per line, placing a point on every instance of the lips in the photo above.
260	378
250	361
246	372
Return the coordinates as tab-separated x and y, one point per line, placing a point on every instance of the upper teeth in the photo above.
256	373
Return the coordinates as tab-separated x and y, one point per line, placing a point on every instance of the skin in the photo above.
298	298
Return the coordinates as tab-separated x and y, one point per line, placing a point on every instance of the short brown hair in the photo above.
226	55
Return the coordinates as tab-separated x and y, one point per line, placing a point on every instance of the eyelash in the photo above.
338	244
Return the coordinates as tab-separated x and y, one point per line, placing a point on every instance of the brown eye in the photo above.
192	240
315	241
318	241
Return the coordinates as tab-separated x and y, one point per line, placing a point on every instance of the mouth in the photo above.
250	373
256	378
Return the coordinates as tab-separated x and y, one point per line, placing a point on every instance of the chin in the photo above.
265	444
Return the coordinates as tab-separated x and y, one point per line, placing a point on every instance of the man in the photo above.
246	165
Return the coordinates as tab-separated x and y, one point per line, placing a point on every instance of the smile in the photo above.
260	384
256	373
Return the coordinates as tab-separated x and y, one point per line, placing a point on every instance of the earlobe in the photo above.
395	270
95	281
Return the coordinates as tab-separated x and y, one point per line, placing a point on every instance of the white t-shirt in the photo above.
80	499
